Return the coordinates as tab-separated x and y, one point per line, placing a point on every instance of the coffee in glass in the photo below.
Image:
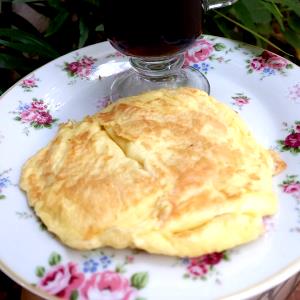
154	35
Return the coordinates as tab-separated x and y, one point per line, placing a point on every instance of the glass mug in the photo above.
154	34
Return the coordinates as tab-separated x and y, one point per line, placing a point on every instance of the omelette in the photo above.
170	171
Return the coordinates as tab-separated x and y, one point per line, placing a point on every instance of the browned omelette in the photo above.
170	171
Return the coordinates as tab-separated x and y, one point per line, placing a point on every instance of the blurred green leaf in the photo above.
274	10
28	39
252	32
292	37
274	1
100	27
294	22
27	1
26	48
242	13
57	22
223	26
83	33
8	61
264	29
259	13
56	4
293	5
94	2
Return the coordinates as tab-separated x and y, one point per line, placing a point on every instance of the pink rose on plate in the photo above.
257	63
276	62
107	285
87	61
267	55
199	52
241	101
212	258
292	188
38	105
28	115
273	60
197	269
84	72
74	67
293	140
29	82
43	117
62	280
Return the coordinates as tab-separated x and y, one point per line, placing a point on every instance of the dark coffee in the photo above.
152	28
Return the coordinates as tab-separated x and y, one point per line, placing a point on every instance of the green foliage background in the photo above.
72	24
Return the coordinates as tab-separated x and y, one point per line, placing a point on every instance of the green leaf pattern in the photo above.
139	280
54	259
40	271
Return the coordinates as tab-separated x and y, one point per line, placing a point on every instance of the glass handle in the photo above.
212	4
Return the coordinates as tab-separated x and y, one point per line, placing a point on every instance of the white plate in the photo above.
262	87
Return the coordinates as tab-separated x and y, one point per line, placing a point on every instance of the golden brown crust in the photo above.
170	171
279	163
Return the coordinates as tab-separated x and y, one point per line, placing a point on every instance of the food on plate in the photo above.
171	172
279	164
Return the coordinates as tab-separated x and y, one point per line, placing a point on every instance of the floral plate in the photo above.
261	86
